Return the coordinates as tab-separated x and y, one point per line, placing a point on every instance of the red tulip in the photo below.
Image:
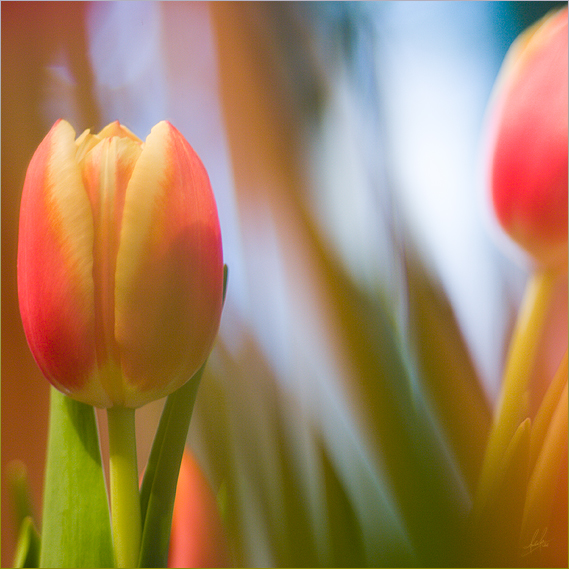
528	150
197	538
120	268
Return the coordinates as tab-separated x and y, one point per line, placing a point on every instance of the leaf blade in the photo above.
76	529
28	546
161	476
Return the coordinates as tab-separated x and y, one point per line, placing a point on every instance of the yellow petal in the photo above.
107	169
117	129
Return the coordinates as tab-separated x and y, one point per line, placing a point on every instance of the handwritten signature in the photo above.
538	542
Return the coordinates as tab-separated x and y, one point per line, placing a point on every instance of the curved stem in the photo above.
125	495
512	404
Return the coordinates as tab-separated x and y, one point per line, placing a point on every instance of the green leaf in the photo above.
76	525
28	546
447	374
161	476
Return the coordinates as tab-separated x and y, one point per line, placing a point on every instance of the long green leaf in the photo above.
447	374
76	529
161	476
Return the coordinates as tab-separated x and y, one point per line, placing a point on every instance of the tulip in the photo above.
120	269
528	141
197	538
524	455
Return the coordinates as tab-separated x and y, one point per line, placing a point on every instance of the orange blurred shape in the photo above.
198	537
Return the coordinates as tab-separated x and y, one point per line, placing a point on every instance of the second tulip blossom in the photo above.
198	537
120	265
528	150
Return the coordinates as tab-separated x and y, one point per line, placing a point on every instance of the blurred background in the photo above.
342	417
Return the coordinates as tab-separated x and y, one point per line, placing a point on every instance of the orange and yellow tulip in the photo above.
120	265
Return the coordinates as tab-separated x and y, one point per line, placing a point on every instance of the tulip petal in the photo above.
169	277
84	142
117	129
55	267
107	170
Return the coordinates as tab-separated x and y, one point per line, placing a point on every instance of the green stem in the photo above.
125	495
512	404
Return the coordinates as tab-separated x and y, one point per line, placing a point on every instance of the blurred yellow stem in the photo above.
512	404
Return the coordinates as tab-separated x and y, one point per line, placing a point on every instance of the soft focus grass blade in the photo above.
346	547
161	476
76	528
447	373
28	546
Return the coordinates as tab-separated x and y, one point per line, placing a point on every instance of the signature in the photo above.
538	542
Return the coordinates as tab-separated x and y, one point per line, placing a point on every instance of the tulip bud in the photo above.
120	269
197	538
528	149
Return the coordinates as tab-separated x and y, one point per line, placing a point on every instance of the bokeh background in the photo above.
343	142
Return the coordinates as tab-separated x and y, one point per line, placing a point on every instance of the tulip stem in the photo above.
512	403
125	495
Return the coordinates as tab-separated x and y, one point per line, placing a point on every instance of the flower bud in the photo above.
120	265
528	147
197	538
